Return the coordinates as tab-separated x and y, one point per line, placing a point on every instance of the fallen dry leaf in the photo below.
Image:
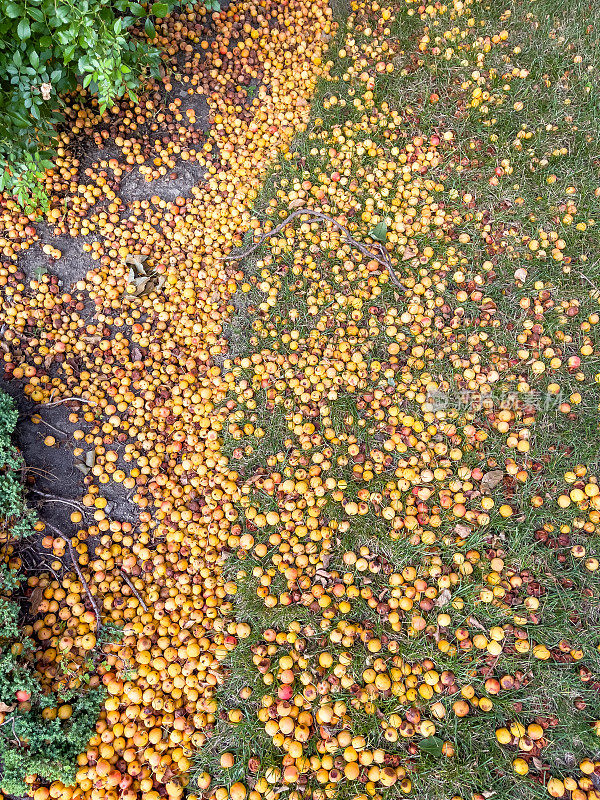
85	464
443	598
36	599
475	623
144	279
491	479
462	530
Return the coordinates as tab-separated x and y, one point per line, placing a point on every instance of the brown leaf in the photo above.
475	623
144	279
491	479
136	260
36	599
4	709
462	530
297	203
322	577
443	598
85	464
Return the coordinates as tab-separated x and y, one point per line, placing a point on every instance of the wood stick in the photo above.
66	400
84	583
51	498
381	255
133	589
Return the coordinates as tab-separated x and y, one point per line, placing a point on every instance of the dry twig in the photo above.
66	400
52	427
133	589
50	498
381	255
84	583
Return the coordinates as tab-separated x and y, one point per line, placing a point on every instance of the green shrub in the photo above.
48	48
29	743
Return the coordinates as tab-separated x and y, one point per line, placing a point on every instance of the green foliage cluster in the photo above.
29	743
47	748
47	49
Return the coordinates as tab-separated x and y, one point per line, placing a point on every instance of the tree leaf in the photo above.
159	9
491	479
432	745
379	232
37	596
137	262
13	10
149	28
24	29
85	464
443	598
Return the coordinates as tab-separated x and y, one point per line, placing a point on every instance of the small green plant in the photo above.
29	742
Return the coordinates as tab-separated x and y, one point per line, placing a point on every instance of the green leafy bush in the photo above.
48	48
51	745
29	743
